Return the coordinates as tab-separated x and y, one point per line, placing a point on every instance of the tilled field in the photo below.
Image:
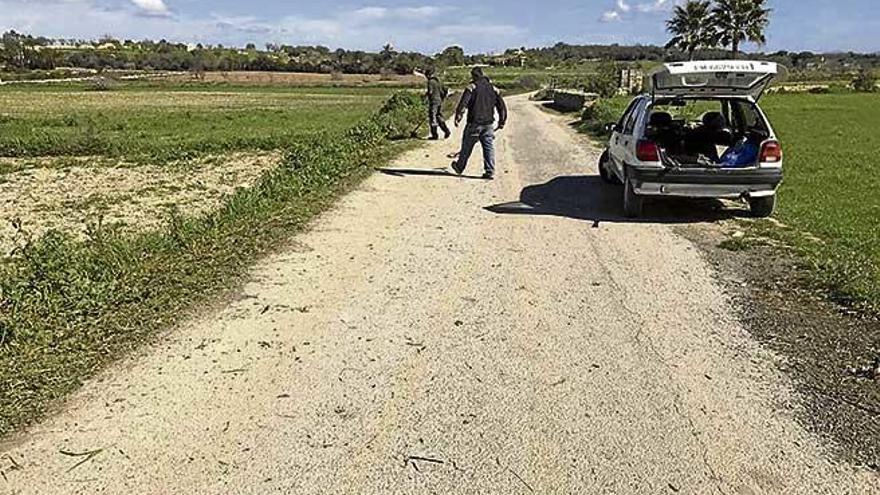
74	199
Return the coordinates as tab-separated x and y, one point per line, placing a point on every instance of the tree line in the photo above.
20	52
23	52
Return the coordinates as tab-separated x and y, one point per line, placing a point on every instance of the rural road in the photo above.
432	334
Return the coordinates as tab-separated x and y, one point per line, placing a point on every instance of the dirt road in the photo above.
441	335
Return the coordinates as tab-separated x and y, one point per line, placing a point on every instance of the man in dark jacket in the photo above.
436	95
481	100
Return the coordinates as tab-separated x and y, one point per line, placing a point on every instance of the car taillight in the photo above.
647	151
771	152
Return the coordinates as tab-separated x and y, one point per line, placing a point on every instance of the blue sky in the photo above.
478	26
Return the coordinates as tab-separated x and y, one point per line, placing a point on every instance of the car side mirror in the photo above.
611	127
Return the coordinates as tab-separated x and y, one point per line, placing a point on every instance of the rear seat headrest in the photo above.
714	120
660	119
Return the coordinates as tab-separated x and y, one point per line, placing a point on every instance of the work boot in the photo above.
459	169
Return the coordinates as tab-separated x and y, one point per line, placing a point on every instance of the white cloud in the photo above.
622	9
422	12
656	6
415	27
611	16
371	13
151	6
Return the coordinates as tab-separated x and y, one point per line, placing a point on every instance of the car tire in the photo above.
762	207
604	173
607	175
632	202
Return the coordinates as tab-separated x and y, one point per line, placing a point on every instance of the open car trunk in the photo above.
707	132
705	114
722	78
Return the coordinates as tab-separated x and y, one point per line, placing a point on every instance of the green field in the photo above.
507	77
511	78
160	122
832	176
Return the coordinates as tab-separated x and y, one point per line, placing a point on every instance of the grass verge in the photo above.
67	307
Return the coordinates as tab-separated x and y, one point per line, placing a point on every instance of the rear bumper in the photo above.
706	183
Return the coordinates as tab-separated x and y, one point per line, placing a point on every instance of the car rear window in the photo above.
741	116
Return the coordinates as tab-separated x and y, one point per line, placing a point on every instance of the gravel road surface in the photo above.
435	334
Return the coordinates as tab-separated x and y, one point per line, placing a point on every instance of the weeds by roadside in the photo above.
67	308
600	113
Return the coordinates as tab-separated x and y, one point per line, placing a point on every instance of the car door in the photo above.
627	138
619	139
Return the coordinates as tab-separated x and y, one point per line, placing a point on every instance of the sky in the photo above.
484	26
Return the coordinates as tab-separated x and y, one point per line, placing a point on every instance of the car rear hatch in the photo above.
723	78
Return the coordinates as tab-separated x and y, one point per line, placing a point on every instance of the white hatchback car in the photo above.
699	133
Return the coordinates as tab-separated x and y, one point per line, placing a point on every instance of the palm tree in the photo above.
691	27
738	21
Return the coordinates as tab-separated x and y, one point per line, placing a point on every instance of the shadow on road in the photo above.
584	197
429	172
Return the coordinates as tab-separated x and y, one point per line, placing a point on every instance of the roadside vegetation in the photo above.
70	306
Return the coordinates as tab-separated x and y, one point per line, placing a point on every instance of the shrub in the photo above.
102	83
606	81
386	74
865	81
598	114
527	82
402	115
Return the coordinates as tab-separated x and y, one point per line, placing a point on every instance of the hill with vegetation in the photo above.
26	56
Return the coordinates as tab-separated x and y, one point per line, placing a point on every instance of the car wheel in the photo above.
762	207
632	202
604	173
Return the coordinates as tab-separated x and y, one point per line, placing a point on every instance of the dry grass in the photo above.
67	102
136	197
305	79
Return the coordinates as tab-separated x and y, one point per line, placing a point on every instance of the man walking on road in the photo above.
481	100
436	95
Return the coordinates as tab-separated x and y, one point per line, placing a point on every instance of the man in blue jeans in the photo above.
481	100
